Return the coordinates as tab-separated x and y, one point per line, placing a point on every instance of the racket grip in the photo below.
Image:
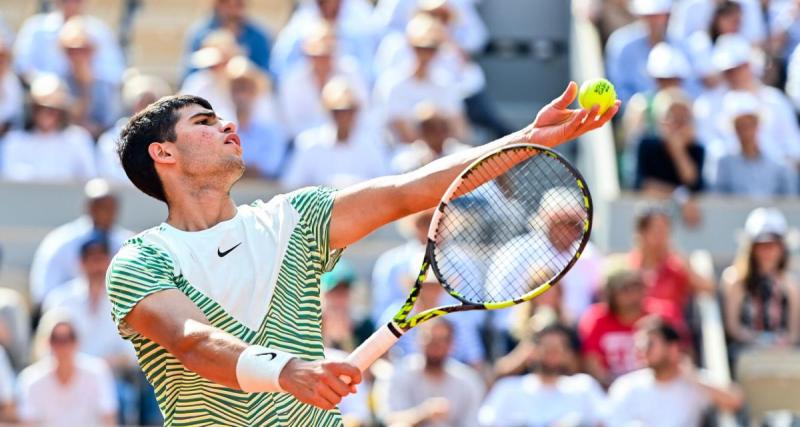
373	348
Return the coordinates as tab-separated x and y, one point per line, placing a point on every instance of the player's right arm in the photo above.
146	302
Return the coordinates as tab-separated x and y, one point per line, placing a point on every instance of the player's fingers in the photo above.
339	369
567	97
575	122
326	394
605	117
337	385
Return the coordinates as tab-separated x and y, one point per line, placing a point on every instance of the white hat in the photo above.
741	103
731	51
650	7
667	62
765	224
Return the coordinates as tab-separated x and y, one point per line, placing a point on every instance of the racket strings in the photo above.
518	227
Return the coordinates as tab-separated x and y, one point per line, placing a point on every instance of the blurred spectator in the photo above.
431	389
57	259
350	20
669	68
264	142
50	148
669	392
138	91
37	47
762	299
467	28
779	134
558	223
628	48
85	300
301	86
666	275
232	15
784	27
606	329
343	326
692	16
607	15
390	271
15	327
451	64
13	96
548	396
398	91
435	140
65	388
338	154
95	101
673	158
726	19
211	80
750	172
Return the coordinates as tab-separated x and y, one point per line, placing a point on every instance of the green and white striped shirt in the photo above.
255	276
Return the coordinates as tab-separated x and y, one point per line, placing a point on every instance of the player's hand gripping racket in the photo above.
506	230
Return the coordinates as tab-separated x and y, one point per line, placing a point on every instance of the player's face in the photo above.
206	145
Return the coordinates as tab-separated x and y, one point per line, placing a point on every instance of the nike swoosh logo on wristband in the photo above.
271	355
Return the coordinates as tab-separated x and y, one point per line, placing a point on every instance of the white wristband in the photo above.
259	368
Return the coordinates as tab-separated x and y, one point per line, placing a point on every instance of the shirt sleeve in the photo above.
315	205
138	270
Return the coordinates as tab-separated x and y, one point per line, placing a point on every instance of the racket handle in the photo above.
373	348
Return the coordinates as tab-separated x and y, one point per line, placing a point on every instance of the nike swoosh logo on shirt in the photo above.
223	253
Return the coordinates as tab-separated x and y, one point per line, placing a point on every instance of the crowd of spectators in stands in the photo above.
346	92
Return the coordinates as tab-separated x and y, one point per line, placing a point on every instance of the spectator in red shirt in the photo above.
606	329
666	275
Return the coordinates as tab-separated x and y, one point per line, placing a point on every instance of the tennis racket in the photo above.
492	243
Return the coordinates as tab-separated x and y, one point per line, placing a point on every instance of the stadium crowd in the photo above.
348	91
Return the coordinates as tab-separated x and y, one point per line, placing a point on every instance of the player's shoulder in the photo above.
148	247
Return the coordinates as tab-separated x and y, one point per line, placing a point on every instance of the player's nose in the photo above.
229	127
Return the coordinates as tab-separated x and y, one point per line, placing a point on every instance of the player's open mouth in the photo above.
233	139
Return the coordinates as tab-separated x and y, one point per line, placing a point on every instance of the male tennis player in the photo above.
222	302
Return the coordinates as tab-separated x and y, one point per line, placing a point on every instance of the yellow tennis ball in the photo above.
597	92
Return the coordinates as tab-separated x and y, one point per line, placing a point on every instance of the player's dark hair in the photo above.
156	123
657	326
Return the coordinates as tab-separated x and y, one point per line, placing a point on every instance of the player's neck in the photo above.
200	210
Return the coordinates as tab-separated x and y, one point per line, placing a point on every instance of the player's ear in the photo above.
162	152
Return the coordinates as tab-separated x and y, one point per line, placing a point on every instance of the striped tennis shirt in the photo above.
255	276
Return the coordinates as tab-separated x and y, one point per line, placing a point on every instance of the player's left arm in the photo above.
360	209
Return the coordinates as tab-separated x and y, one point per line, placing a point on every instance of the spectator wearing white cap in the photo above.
779	134
50	148
725	19
669	68
340	153
762	300
399	91
355	32
691	16
435	140
300	86
37	50
468	29
750	172
138	91
211	80
629	47
57	259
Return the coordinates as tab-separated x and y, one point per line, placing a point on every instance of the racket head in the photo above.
499	214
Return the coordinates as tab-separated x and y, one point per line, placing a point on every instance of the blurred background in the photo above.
684	311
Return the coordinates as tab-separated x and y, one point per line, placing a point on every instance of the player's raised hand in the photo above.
556	123
318	383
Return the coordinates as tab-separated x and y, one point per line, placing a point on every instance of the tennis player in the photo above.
222	302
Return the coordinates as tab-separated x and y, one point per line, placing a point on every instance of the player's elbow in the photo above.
186	346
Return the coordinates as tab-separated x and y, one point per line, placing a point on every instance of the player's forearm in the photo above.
211	353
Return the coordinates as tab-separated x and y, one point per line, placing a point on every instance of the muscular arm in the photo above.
172	320
360	209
